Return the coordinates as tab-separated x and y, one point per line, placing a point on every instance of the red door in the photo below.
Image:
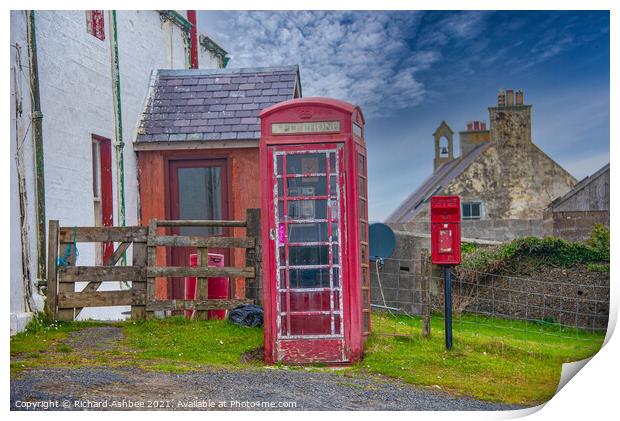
198	190
307	239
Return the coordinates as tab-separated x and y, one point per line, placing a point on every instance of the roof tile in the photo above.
212	104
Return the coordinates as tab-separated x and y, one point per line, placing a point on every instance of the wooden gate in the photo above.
65	303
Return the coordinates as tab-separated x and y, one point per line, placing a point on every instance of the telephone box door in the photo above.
306	236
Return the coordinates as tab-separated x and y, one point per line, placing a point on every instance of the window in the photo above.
102	191
363	199
472	210
95	23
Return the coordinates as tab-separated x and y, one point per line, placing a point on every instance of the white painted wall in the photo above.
21	148
76	87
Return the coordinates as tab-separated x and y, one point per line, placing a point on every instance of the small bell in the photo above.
444	151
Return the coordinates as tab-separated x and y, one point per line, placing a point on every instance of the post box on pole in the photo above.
446	247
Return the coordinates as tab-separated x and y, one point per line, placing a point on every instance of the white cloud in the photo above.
361	57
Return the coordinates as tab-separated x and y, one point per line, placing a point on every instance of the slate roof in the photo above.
580	186
213	104
441	178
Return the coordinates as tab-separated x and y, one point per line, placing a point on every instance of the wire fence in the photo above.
412	289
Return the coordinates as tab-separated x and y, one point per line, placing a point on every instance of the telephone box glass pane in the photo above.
307	209
307	301
307	325
308	255
307	186
308	163
309	233
308	243
309	278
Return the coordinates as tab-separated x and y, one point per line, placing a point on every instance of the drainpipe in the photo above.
118	117
36	117
193	40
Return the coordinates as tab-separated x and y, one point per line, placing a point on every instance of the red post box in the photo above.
315	231
446	230
218	286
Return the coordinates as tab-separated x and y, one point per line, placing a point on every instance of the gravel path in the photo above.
103	388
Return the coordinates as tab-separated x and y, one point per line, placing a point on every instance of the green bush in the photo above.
549	251
599	239
467	248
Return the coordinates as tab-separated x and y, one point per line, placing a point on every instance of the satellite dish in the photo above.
382	241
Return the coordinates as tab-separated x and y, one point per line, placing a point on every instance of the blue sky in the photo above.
409	70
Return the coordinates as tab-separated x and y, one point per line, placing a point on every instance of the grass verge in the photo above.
492	359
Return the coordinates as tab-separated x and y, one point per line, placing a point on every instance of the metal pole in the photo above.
447	272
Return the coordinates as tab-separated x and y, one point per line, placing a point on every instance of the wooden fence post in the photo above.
151	262
68	314
254	256
425	270
52	274
139	258
202	284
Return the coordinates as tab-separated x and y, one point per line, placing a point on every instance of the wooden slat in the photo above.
103	234
151	261
101	274
202	284
139	259
199	223
99	299
193	241
253	256
67	314
195	304
200	272
52	258
425	269
94	285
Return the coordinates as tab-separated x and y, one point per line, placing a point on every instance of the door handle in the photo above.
272	234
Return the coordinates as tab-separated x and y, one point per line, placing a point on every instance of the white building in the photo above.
87	129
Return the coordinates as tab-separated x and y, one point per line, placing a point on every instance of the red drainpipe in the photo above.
193	53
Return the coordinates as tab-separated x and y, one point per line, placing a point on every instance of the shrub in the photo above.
550	251
599	239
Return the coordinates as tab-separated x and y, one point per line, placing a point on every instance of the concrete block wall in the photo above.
574	226
399	277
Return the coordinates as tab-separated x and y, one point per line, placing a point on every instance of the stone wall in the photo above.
486	229
574	226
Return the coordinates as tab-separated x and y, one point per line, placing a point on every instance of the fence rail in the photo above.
65	303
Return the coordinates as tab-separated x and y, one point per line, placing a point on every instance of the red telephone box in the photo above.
446	230
315	234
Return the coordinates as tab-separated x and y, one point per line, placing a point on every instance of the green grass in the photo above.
491	359
212	342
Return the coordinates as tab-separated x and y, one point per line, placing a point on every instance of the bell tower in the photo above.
444	148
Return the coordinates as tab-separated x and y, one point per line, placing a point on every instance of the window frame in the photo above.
95	23
103	199
470	204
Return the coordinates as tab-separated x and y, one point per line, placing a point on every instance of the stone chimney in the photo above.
510	98
501	98
475	134
511	120
519	98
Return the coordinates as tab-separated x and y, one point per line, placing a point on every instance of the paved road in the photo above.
88	388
